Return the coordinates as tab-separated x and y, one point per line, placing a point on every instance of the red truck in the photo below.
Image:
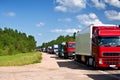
69	49
99	46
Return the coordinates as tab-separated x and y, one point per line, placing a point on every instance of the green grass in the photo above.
21	59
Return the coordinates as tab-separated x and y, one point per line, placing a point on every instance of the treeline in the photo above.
59	40
13	42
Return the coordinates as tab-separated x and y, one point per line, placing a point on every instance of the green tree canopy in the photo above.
12	42
59	40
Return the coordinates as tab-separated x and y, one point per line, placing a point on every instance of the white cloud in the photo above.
65	20
112	15
40	24
11	14
65	30
61	8
77	5
88	19
70	5
103	3
115	3
99	4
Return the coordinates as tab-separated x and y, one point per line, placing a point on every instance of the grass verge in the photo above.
21	59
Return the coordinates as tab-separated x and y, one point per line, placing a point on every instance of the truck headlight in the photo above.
100	61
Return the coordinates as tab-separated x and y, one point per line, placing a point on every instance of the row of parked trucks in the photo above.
64	49
51	49
96	45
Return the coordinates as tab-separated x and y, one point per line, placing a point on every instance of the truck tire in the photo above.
59	55
94	64
65	55
118	68
87	62
77	58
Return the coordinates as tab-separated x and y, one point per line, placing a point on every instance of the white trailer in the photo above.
83	44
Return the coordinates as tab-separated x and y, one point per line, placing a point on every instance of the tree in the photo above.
32	43
12	42
59	40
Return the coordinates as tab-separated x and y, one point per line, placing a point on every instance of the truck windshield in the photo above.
71	45
109	41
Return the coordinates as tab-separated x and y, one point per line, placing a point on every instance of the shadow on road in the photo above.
70	63
104	76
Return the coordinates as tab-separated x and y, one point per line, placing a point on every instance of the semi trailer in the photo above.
99	46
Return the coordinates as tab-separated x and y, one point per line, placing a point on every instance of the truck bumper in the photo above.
106	66
108	62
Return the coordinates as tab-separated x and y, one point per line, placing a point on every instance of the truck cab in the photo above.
61	49
106	46
69	49
55	48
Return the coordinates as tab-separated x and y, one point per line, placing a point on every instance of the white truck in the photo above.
55	48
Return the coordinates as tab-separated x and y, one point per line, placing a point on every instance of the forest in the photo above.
13	42
59	40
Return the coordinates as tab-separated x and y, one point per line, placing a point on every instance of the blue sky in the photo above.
48	19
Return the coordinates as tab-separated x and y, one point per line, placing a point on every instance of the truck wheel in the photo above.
87	63
75	58
59	55
94	65
118	68
65	55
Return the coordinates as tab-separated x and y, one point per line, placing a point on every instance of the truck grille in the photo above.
111	54
111	61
